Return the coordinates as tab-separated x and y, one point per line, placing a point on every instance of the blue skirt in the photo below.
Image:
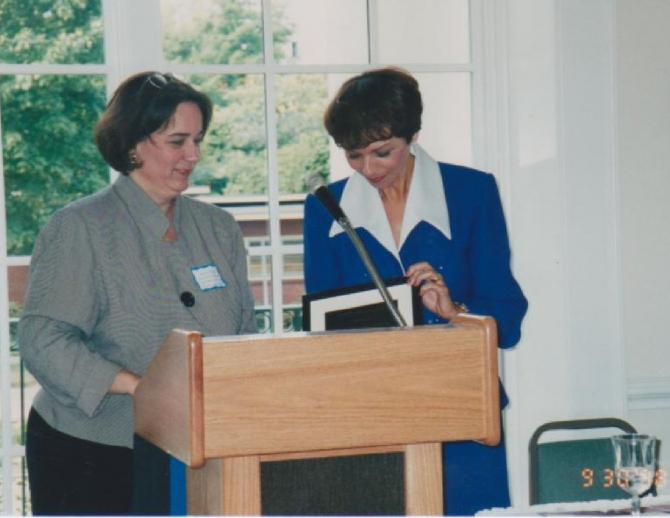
475	477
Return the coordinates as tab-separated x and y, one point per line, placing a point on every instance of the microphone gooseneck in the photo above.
327	200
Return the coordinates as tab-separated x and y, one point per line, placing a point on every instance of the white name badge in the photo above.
208	277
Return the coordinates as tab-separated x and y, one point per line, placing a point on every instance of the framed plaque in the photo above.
360	307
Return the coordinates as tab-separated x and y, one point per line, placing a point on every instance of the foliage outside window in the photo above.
234	154
47	120
51	31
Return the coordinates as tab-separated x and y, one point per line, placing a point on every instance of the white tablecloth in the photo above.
650	505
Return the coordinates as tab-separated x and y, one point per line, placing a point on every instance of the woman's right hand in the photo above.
125	382
433	290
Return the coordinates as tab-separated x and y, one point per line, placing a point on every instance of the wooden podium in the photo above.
223	405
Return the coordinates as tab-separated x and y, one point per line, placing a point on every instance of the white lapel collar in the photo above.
426	201
363	206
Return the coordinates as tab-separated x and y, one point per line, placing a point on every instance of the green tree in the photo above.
47	120
235	149
228	31
51	31
302	141
234	154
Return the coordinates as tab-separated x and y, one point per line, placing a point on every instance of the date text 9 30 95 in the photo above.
609	478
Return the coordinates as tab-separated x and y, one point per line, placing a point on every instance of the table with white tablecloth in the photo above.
653	505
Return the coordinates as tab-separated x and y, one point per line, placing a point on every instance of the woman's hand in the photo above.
125	382
433	290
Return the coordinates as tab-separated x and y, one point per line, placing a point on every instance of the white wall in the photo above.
643	144
587	112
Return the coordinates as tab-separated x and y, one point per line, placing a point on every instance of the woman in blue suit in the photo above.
439	225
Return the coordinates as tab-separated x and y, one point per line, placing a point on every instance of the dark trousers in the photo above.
70	476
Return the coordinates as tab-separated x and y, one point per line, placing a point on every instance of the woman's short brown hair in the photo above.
375	105
141	105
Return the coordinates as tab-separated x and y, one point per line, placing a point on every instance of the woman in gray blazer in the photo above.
111	275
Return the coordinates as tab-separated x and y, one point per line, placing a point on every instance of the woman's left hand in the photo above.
433	290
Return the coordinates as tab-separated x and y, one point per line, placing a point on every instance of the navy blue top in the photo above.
475	264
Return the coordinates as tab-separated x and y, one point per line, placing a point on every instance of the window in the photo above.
270	67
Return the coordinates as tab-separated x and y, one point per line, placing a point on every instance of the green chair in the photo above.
575	470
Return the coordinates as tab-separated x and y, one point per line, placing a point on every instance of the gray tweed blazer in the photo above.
104	292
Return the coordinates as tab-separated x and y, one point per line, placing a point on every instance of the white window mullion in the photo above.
5	372
45	69
480	147
489	73
135	41
373	40
111	18
307	69
273	172
260	251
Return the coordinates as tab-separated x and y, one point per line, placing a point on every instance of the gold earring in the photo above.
132	158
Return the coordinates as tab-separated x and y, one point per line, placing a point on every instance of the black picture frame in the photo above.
360	307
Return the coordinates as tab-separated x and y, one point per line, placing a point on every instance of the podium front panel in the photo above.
346	390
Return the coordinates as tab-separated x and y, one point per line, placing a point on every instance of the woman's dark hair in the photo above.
141	105
375	105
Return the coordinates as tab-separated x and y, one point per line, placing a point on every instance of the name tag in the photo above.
208	277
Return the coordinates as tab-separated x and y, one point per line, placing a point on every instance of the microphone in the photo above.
187	299
326	198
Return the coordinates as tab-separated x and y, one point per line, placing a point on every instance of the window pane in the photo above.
20	405
22	504
291	224
446	130
293	288
24	389
68	31
260	278
17	281
302	141
19	481
234	159
253	216
438	31
23	385
292	317
320	31
47	124
212	31
264	319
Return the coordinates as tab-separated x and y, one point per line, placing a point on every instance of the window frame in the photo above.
133	42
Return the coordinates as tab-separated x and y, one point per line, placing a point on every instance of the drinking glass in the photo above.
634	464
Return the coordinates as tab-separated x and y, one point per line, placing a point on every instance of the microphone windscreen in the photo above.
326	198
187	299
315	181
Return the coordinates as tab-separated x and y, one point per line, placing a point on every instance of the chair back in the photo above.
575	470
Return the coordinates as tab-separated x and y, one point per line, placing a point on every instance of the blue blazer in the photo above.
475	264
